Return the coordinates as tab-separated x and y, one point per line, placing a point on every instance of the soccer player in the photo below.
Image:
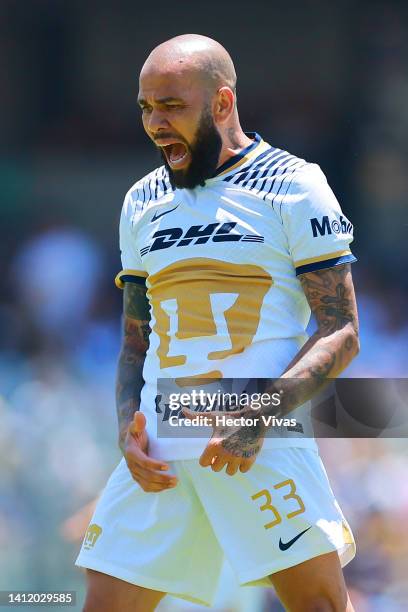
226	249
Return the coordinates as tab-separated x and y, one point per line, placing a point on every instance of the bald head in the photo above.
188	102
196	55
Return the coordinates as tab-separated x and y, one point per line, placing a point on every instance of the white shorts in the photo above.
280	513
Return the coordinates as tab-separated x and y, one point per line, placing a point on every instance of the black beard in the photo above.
205	153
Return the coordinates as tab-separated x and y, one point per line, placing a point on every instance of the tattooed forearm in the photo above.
328	352
135	343
331	297
330	294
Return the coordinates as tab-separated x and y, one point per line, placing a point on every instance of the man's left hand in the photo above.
233	446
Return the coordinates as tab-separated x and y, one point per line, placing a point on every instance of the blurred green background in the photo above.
329	82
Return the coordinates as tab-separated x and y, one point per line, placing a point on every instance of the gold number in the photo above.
268	506
291	495
182	296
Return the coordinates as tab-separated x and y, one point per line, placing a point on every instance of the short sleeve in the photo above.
132	266
319	234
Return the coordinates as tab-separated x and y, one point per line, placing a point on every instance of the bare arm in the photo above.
135	343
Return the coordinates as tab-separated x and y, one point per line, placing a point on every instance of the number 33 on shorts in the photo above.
294	507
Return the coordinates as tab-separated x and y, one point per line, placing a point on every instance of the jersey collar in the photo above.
246	154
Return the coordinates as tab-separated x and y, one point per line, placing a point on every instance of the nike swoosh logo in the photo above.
157	216
286	545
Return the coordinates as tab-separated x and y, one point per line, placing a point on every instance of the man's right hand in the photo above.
146	471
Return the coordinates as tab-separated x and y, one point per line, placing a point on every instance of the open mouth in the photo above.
176	153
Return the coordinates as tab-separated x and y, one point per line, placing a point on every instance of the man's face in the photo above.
177	116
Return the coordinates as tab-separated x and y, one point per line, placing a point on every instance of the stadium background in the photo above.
328	81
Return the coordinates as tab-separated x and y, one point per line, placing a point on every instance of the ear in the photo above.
224	104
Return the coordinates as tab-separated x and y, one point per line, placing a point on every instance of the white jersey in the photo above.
221	264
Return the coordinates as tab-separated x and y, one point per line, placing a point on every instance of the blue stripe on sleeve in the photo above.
128	278
329	263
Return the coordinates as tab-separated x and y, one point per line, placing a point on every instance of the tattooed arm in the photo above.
330	294
135	343
328	352
133	441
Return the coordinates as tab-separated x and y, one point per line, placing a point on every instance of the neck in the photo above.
234	141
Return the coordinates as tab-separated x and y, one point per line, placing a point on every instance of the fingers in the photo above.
152	487
149	473
152	481
218	459
149	486
246	464
136	449
233	466
148	463
218	463
207	456
159	478
138	424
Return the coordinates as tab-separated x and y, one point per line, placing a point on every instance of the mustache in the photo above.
165	135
